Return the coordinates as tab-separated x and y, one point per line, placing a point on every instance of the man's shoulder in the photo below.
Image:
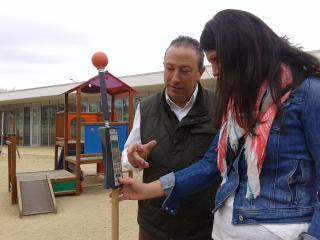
208	92
207	96
156	97
150	103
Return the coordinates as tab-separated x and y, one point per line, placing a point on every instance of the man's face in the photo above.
181	73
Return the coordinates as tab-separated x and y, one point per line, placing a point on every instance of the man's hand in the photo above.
138	153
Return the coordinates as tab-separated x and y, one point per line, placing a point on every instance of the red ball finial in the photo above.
99	60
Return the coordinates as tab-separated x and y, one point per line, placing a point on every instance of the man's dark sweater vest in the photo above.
179	144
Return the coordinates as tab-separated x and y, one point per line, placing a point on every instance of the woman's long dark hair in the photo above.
248	53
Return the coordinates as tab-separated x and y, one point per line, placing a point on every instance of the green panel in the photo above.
63	186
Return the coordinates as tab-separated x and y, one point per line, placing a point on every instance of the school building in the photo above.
35	108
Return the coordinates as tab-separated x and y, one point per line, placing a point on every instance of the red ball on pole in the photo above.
99	60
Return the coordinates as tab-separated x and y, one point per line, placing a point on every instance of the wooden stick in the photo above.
115	214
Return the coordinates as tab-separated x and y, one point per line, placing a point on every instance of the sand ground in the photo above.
84	217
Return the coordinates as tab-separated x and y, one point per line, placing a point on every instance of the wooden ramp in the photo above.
62	181
35	196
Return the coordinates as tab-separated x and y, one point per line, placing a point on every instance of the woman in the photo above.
268	148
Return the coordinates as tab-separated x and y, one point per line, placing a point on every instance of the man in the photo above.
172	130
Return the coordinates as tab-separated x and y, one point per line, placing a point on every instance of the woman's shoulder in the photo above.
311	82
308	91
314	83
311	85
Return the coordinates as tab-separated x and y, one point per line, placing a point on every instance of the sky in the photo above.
45	43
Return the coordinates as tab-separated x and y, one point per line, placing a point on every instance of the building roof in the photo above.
146	79
315	53
55	90
113	85
30	93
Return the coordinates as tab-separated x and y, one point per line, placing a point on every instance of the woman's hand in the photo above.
132	189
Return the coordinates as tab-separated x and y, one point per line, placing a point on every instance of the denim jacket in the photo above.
290	176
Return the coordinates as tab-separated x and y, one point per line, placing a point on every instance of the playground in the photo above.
83	217
60	192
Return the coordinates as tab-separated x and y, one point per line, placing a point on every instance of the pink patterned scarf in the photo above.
254	145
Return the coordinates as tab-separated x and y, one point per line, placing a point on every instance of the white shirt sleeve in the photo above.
134	137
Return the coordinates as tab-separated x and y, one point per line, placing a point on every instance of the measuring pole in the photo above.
110	145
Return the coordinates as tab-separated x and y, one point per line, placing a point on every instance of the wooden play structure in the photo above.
83	149
35	191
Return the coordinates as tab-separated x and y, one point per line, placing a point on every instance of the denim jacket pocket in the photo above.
286	183
292	181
